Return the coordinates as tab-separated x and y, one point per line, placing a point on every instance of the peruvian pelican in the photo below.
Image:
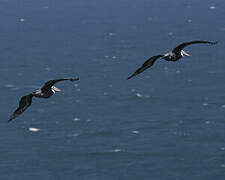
174	55
46	91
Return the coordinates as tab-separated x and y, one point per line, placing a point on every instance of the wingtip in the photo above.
75	79
10	120
214	42
129	77
12	117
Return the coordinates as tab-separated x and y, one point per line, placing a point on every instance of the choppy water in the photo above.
166	123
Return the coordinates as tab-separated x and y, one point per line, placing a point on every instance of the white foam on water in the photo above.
34	129
205	104
212	7
135	132
76	119
207	122
142	96
223	106
115	150
177	71
75	134
111	34
22	19
138	95
9	85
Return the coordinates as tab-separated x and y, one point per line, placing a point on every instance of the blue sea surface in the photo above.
167	123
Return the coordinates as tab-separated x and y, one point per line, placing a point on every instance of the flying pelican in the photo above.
46	91
173	55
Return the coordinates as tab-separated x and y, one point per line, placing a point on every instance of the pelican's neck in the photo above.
182	53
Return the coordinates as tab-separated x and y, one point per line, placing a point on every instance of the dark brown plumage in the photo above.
45	92
174	55
145	66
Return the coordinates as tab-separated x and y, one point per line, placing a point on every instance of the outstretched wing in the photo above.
183	45
24	103
146	65
49	84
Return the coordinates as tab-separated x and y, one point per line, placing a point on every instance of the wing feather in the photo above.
183	45
49	84
24	103
146	65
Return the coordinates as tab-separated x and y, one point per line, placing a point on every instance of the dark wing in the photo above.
24	103
49	84
146	65
183	45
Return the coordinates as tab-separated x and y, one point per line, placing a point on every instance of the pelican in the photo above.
173	55
46	91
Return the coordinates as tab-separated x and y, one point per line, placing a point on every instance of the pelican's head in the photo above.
183	53
54	89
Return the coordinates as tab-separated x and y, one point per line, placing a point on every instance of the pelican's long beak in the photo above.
185	53
56	89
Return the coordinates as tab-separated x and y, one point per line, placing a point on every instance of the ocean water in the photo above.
164	124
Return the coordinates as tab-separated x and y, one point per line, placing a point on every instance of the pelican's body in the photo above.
171	56
40	94
174	55
45	92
